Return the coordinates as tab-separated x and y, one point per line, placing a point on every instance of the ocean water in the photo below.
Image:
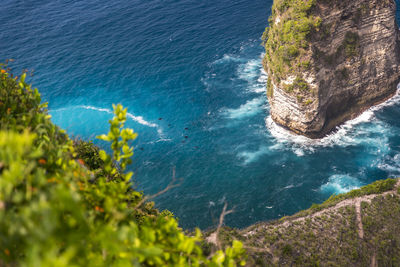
190	74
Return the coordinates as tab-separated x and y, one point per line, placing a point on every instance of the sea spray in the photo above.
338	184
344	135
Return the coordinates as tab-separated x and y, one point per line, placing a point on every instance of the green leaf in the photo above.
103	137
22	79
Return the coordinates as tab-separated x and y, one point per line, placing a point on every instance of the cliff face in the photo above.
328	61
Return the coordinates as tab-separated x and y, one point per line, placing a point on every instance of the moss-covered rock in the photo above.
328	61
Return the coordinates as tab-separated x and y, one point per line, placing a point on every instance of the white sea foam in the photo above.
252	156
338	184
250	70
289	186
261	86
250	108
299	152
392	169
263	76
138	119
228	58
253	72
391	165
344	135
162	139
142	121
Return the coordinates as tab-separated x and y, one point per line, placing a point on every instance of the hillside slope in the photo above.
360	228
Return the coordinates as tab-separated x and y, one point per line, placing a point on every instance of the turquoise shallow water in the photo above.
190	74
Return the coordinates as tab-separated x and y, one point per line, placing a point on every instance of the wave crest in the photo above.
250	108
138	119
338	184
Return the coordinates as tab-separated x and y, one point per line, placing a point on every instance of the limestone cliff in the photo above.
329	60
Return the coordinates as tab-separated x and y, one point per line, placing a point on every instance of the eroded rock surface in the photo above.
348	62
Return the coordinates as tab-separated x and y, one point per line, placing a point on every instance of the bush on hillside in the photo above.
61	206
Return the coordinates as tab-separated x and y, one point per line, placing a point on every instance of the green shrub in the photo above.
54	213
351	44
298	84
270	88
89	154
287	250
286	39
308	102
377	187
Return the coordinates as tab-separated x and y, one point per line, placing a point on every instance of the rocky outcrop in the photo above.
342	59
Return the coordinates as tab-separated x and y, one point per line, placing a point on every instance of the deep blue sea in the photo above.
190	74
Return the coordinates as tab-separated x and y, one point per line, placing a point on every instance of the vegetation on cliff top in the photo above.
293	26
377	187
359	228
286	41
66	204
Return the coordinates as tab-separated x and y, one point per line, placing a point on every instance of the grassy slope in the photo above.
359	228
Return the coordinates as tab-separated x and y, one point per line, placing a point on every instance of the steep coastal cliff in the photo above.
328	61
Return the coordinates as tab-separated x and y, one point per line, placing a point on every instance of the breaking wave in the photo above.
228	58
253	72
250	108
350	133
338	184
252	156
138	119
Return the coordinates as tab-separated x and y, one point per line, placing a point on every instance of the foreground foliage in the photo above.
66	204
